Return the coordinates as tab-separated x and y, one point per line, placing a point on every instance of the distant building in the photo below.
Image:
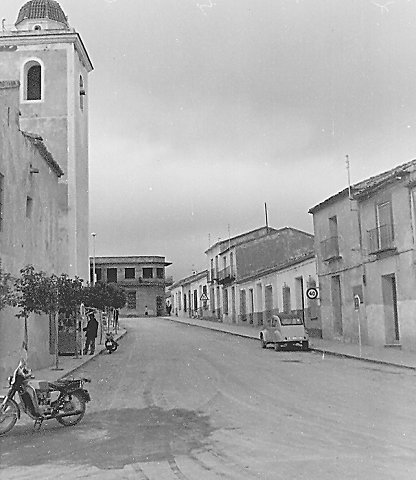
142	278
189	296
365	239
29	229
261	272
49	59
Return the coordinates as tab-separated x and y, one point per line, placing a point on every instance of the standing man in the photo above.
91	334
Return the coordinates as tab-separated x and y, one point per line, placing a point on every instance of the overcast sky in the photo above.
202	111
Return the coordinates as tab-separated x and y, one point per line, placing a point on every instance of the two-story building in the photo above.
365	245
252	276
142	278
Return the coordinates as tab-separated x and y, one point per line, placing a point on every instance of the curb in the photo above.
88	359
363	359
311	349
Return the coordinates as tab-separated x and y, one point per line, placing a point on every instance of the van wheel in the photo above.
263	343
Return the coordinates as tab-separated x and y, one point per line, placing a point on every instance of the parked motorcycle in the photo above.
110	344
41	400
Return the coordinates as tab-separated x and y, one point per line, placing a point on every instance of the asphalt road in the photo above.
180	402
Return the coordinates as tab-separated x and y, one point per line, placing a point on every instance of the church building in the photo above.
47	56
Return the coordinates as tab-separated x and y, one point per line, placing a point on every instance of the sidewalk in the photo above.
68	363
382	355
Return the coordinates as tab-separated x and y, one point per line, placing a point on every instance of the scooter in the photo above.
110	344
41	400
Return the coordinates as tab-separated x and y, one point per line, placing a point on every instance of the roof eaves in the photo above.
37	142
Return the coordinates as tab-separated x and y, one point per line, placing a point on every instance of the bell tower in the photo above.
52	64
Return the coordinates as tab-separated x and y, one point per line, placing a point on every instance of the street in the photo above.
181	402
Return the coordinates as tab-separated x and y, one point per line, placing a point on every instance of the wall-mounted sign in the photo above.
357	301
312	293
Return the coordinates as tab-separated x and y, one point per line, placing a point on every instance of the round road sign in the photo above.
312	293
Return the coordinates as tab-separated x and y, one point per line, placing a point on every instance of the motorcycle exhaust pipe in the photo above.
69	414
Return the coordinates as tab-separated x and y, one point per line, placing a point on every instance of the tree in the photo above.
38	293
103	296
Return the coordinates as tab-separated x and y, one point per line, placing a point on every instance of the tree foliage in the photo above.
103	295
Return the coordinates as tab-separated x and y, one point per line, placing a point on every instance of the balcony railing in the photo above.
226	275
213	275
381	239
330	248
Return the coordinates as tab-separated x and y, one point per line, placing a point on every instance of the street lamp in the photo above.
93	259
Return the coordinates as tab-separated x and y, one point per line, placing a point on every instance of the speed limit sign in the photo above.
312	293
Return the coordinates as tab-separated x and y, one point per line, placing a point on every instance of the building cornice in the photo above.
9	39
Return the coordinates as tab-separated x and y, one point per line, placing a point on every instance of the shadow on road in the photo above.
109	439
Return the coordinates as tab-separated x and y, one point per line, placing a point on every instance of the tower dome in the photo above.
43	11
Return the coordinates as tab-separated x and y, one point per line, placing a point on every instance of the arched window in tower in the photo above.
32	81
81	93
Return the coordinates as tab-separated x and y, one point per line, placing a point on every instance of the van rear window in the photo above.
291	321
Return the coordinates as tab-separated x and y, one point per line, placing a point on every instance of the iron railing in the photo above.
330	248
381	238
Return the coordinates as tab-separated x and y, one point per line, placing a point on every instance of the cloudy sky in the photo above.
201	111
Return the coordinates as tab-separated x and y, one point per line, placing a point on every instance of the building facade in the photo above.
247	272
49	59
189	296
142	278
29	229
366	251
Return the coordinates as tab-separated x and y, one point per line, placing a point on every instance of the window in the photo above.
112	275
286	298
29	207
131	300
1	201
147	272
33	81
384	224
97	275
81	93
160	273
129	273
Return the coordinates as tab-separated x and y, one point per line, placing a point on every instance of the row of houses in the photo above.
360	260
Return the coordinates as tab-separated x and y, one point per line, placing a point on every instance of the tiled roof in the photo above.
41	9
37	141
370	185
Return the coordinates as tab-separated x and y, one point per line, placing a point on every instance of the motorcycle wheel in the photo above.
8	416
72	403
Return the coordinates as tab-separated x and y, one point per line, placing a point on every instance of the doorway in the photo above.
391	317
337	304
268	301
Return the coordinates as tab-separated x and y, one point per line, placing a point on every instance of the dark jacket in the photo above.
91	328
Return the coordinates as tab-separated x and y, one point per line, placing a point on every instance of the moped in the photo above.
41	400
110	344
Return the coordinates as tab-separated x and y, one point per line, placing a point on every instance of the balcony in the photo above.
226	275
381	239
330	249
213	275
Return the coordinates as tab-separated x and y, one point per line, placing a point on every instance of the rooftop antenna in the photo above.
267	220
347	162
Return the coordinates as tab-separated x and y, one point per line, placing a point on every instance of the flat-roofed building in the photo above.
142	278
